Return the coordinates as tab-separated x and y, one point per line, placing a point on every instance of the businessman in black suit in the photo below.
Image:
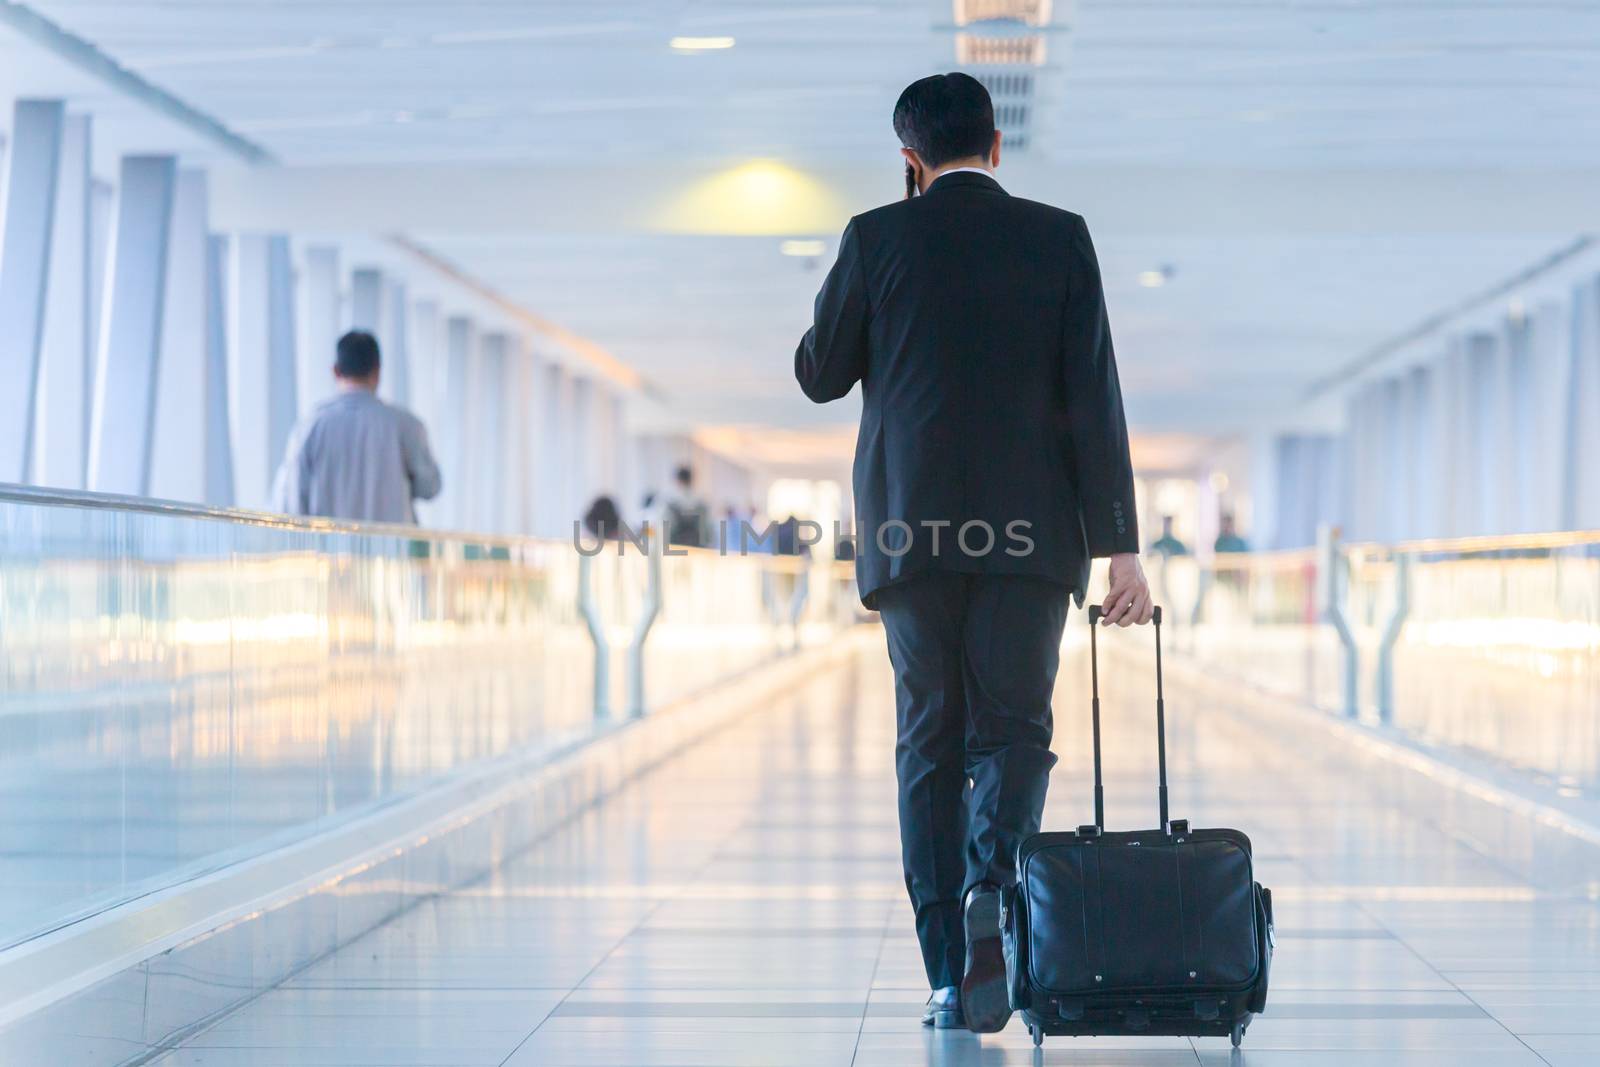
991	466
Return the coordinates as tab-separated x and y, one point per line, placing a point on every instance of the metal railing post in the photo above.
641	628
597	637
798	600
1336	575
1383	683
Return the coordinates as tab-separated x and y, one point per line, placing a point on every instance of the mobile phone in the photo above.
911	181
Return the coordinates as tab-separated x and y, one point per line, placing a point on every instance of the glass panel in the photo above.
179	691
1498	655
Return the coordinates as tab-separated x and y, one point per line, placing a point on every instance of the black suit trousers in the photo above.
975	660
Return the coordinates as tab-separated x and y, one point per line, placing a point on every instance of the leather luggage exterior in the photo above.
1138	933
1162	931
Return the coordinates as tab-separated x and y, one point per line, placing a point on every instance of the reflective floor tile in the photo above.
742	906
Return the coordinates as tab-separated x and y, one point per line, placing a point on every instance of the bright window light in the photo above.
802	248
701	44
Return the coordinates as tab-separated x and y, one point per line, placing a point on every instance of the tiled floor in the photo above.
744	906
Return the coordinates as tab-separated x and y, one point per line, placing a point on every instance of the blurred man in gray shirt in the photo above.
356	457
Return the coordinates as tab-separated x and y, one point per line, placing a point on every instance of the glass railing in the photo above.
181	688
1487	645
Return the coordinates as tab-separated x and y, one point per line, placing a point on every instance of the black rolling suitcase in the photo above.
1160	931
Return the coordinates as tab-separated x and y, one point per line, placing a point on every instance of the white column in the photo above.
1375	474
219	490
1358	486
599	443
1449	462
61	427
1582	490
1263	482
422	346
1354	453
1490	485
177	465
623	482
1549	346
392	337
261	370
1327	456
422	343
486	424
1286	490
1397	465
556	454
122	432
33	162
456	499
320	316
1518	421
1422	497
282	403
366	299
102	202
519	436
536	367
582	436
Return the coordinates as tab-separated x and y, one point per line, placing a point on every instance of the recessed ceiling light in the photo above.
701	44
802	248
1152	279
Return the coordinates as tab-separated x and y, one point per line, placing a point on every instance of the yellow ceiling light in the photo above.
701	44
760	198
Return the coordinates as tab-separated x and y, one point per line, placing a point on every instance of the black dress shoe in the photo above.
984	999
944	1010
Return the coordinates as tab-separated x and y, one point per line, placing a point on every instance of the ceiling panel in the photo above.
1284	88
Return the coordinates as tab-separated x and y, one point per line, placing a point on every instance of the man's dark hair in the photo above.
685	476
357	355
945	117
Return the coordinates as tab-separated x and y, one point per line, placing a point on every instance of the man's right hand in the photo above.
1128	601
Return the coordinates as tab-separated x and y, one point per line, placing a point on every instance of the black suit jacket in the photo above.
976	325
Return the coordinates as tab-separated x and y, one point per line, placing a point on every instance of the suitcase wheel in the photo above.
1238	1034
1037	1033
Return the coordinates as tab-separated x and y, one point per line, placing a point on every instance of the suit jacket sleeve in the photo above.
832	355
1095	419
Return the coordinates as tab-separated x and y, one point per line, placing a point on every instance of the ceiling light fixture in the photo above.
1155	279
701	44
808	248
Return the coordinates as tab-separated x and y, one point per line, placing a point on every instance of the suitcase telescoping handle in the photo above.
1161	722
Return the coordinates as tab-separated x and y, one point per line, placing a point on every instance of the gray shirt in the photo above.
357	458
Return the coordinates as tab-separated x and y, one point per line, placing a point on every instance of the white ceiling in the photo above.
1293	94
1232	82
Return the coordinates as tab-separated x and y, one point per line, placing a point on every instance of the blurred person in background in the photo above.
650	512
1228	539
687	516
356	457
788	538
1168	545
603	520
